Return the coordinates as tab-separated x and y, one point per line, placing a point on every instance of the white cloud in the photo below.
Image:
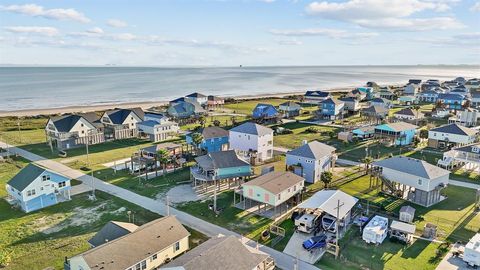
54	14
122	36
332	33
40	30
116	23
290	42
95	30
392	14
475	7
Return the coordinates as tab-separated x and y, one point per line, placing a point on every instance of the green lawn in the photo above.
225	121
299	134
231	218
61	230
247	106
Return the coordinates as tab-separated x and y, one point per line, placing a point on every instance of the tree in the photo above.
367	161
326	178
163	156
216	123
416	108
423	134
202	120
197	139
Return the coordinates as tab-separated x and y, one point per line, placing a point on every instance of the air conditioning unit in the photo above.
475	149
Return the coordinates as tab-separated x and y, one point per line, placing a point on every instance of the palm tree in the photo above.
326	178
163	157
197	139
367	160
202	120
416	108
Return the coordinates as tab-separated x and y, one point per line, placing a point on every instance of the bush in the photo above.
312	130
287	131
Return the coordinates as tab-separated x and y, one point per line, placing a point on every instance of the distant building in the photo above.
357	94
467	117
121	123
364	132
417	180
352	105
252	141
35	187
185	109
428	96
214	139
215	102
148	247
399	133
411	89
409	114
381	102
331	109
407	100
290	109
310	160
451	101
75	130
475	100
265	112
157	127
315	97
222	252
369	91
199	98
414	81
451	135
377	113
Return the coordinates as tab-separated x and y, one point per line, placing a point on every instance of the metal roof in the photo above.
327	201
252	128
275	182
26	176
314	150
412	166
455	129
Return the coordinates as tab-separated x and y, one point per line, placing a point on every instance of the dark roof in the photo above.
410	112
348	99
450	96
214	132
314	150
111	231
455	129
220	159
379	100
317	93
332	101
65	123
398	126
195	95
414	81
180	99
472	148
291	104
118	116
371	84
26	176
214	98
412	166
252	128
375	109
219	253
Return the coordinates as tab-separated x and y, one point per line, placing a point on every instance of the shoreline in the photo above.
142	104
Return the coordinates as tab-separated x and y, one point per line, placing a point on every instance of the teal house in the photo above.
399	133
221	166
214	139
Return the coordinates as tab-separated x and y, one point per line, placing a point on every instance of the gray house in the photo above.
310	160
412	179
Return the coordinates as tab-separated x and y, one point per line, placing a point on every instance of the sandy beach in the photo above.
144	105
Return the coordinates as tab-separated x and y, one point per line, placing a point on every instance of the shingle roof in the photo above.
327	200
348	99
399	126
214	132
455	129
26	176
118	116
276	182
375	109
450	96
219	253
412	166
469	148
291	104
333	101
220	159
252	128
379	100
317	94
314	150
65	123
127	250
111	231
196	95
410	112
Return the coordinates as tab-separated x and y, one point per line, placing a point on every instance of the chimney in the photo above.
304	142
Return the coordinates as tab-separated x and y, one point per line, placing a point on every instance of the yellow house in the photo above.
148	247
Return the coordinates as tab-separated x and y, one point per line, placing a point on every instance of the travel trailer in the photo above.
376	230
307	223
472	251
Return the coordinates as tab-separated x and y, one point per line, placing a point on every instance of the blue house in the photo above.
222	166
367	91
214	139
184	108
35	188
451	101
398	133
265	111
331	109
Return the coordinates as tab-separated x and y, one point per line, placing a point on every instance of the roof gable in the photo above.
412	166
253	129
25	177
455	129
314	150
276	182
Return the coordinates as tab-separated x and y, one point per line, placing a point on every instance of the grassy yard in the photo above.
225	121
247	106
299	134
231	218
60	230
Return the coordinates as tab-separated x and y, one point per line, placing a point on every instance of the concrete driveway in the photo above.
295	249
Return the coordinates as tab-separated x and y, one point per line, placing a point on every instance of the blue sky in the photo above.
247	32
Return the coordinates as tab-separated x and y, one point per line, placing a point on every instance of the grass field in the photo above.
43	238
299	134
247	106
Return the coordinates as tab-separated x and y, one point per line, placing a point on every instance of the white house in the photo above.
468	117
311	159
408	114
252	141
122	123
70	131
315	97
35	187
451	135
148	247
416	180
200	98
381	102
157	127
411	89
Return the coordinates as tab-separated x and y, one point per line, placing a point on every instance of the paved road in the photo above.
282	260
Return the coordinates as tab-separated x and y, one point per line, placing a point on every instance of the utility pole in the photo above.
168	206
337	247
19	133
215	198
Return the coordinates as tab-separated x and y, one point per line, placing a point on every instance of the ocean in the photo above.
51	87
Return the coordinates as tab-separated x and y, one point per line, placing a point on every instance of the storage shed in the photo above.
402	231
407	213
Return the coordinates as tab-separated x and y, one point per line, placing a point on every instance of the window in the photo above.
294	188
154	257
81	125
83	131
45	177
61	184
177	246
31	192
278	197
138	266
144	265
419	182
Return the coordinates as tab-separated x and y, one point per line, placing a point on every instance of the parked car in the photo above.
62	154
315	242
